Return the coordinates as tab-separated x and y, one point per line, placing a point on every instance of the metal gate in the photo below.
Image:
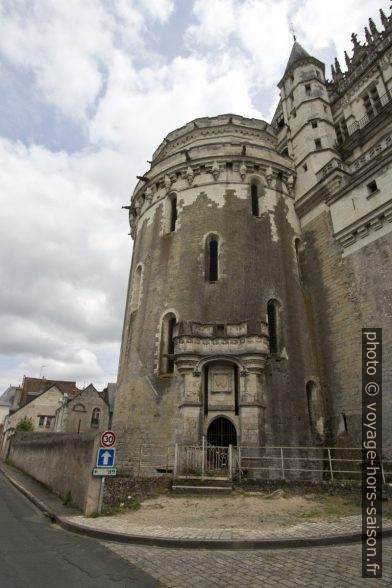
203	461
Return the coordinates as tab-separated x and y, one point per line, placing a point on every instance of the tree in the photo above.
25	425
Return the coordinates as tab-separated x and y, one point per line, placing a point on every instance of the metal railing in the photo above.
266	463
370	116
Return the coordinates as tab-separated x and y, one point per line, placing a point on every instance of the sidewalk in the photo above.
118	528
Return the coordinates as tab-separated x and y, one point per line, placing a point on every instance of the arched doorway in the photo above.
222	433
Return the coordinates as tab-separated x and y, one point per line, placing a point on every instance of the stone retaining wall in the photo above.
61	461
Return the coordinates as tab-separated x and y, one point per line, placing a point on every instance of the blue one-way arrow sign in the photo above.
106	457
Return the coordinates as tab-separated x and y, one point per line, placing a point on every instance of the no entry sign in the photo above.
108	439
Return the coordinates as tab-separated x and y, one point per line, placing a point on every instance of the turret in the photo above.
307	112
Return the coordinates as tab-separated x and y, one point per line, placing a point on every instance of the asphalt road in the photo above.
35	553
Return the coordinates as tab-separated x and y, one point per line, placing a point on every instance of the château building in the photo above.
261	250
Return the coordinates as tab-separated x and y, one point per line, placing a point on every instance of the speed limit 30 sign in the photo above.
108	439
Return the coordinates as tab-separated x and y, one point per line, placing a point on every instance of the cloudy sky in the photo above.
88	89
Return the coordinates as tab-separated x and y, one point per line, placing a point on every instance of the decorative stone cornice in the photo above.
200	171
194	343
364	226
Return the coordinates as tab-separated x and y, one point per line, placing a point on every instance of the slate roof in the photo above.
7	398
297	53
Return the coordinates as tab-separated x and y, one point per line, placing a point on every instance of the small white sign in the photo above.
105	472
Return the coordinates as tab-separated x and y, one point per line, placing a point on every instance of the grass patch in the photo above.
67	501
131	503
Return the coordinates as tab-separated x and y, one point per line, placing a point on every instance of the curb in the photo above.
171	542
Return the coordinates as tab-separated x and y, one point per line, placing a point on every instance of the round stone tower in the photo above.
216	336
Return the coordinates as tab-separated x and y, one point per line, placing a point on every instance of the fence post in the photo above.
175	461
203	440
282	462
239	461
330	463
230	462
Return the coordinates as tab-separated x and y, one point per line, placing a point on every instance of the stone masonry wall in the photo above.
347	294
63	462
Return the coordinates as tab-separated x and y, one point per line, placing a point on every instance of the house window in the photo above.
79	408
341	130
372	188
314	123
167	344
317	143
308	89
49	421
45	421
255	200
371	101
280	121
212	263
95	417
136	290
273	314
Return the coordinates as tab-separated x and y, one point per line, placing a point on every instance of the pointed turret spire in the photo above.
297	53
333	73
337	66
373	29
368	36
347	59
384	19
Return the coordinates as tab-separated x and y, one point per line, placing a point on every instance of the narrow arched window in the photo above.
136	289
213	265
167	344
212	262
254	194
95	417
173	213
273	313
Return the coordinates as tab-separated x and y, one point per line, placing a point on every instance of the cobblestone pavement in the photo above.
120	523
324	567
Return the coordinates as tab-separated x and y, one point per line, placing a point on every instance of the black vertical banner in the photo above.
372	475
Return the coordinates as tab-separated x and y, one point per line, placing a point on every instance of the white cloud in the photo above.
65	254
320	24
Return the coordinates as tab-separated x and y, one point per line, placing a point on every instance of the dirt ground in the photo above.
240	510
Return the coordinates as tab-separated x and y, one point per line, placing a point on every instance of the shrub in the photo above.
25	425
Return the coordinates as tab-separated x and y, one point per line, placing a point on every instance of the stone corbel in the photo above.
269	175
290	184
189	174
243	171
215	170
167	183
148	194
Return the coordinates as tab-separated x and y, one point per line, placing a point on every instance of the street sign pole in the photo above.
100	497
